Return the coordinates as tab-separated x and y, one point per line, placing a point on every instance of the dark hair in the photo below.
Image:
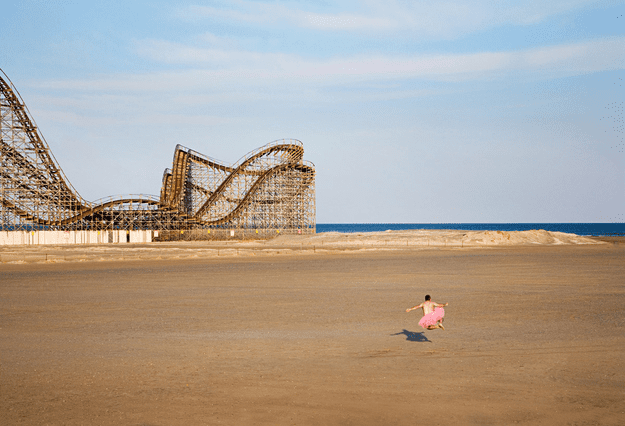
427	297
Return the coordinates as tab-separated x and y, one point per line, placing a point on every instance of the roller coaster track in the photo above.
270	187
54	178
285	156
255	189
34	186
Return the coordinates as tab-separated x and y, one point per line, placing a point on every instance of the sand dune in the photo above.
327	242
438	238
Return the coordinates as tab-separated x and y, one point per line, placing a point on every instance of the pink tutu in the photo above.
432	318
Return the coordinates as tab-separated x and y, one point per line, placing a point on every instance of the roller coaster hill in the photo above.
270	190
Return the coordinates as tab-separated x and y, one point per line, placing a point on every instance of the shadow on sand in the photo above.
411	336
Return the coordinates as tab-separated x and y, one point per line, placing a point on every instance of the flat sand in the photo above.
281	335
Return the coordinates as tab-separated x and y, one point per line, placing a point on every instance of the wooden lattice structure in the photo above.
270	190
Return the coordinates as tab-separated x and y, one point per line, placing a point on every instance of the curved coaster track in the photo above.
271	189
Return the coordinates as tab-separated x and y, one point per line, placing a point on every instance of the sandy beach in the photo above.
313	331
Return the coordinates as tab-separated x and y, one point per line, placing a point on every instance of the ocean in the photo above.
592	229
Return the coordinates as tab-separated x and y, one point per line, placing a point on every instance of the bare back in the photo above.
428	307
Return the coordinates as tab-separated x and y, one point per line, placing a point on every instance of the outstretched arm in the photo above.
414	307
438	305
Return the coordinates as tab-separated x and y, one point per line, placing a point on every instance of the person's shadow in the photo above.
411	336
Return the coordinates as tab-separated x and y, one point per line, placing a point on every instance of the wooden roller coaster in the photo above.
269	190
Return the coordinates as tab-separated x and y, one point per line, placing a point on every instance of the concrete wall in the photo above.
12	238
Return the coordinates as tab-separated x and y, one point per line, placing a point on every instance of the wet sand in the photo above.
534	335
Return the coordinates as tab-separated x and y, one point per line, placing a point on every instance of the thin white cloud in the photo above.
344	22
576	58
218	71
440	19
238	11
82	120
218	55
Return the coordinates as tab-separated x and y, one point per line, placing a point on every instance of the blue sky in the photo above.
411	111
